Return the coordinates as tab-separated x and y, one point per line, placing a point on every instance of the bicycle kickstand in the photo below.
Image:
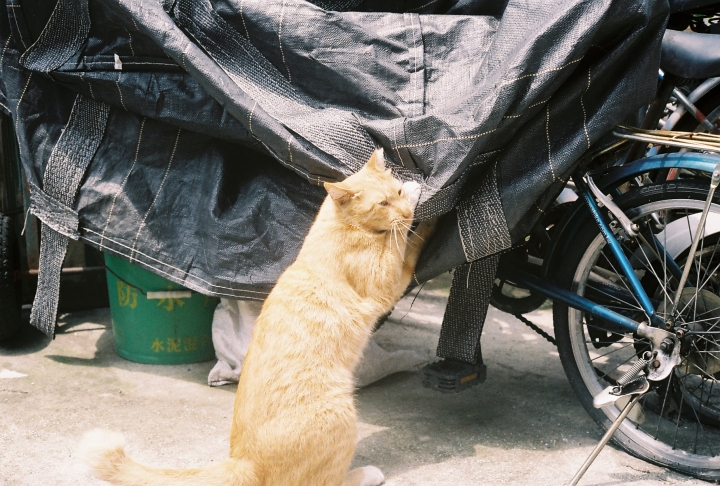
631	384
606	438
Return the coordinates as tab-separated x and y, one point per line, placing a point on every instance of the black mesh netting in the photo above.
224	116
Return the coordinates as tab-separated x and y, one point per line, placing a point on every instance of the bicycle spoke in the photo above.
699	424
651	269
715	246
612	352
630	306
662	409
677	424
622	280
605	351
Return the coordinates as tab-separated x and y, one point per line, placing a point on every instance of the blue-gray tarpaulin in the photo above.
192	136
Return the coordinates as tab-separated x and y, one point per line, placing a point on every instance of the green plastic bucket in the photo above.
173	326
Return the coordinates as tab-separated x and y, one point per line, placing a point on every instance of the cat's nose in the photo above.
407	214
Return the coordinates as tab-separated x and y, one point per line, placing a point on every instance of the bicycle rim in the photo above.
676	424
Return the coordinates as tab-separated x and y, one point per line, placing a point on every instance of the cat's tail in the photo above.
104	452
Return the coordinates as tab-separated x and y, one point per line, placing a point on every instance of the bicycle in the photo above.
635	282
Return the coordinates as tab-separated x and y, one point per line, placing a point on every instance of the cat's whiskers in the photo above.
409	229
394	229
402	223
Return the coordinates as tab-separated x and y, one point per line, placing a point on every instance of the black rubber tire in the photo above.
10	315
565	275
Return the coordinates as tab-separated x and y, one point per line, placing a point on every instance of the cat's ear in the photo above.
338	192
377	161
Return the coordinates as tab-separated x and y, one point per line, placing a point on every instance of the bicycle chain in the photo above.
535	328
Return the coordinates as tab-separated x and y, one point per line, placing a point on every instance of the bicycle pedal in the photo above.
450	376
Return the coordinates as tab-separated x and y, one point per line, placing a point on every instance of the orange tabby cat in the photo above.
295	421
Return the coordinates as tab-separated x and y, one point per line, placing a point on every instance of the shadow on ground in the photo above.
522	426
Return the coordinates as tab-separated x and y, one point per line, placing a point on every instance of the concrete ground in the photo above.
523	426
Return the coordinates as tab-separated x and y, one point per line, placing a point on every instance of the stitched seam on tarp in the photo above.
138	252
531	106
250	118
184	53
448	139
132	51
582	104
63	35
22	95
242	16
122	186
162	184
82	77
282	53
17	25
540	73
117	83
2	56
547	135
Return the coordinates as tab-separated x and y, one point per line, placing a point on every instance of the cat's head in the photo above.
372	199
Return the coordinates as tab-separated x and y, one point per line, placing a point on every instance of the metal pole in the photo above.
605	440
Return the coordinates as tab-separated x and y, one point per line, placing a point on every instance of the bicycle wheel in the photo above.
676	423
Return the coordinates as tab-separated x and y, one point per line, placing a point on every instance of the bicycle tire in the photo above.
10	315
590	370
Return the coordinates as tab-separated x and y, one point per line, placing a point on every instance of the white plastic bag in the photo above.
232	327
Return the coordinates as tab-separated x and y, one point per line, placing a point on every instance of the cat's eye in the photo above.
399	192
383	202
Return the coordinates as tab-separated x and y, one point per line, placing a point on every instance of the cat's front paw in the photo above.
372	476
412	191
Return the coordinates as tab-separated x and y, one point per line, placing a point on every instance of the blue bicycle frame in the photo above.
689	160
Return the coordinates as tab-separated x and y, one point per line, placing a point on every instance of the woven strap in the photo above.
63	175
466	310
62	36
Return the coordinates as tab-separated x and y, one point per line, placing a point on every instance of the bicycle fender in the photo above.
685	160
576	216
